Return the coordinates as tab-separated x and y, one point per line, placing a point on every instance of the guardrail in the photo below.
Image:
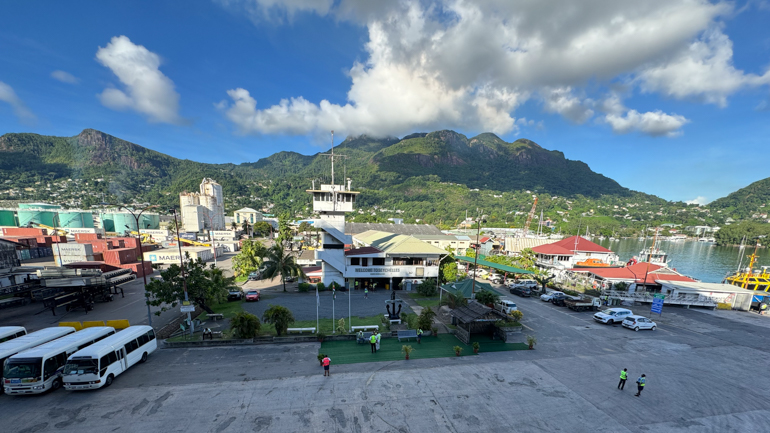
680	299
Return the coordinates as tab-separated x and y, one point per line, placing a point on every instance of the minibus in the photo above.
10	332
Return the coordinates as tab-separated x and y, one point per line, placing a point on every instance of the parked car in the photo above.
252	295
235	295
548	297
558	298
291	279
638	322
254	276
506	306
612	315
530	284
496	278
521	291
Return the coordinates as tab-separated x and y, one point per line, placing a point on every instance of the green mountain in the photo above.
433	177
749	202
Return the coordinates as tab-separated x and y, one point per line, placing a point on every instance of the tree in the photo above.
527	259
454	299
425	319
245	325
205	286
171	227
304	226
281	264
250	258
427	288
284	229
245	227
280	317
262	228
234	225
486	297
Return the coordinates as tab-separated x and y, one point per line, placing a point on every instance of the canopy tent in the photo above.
499	267
466	287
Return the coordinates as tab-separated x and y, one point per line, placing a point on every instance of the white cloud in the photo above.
64	77
698	200
147	90
466	64
21	111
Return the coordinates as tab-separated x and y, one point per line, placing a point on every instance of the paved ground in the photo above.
303	305
706	373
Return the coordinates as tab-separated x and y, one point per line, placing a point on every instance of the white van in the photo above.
506	306
612	315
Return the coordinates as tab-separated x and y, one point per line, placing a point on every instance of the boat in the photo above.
596	263
654	254
749	278
709	240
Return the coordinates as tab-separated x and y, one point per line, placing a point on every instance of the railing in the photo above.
679	299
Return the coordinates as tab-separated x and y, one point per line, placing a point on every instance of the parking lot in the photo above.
705	373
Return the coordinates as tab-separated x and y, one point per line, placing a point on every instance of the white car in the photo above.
638	322
548	297
496	278
612	315
506	306
530	284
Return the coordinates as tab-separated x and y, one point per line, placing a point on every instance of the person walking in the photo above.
366	293
360	338
373	341
623	377
378	339
419	335
326	362
640	385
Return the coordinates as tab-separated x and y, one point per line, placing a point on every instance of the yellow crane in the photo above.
194	243
525	230
59	232
146	238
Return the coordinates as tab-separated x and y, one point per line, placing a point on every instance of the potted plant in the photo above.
406	350
531	341
457	350
476	347
321	336
321	357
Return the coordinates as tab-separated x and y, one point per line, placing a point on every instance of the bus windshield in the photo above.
22	368
81	366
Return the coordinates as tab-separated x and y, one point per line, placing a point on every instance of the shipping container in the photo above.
24	231
74	249
80	237
120	256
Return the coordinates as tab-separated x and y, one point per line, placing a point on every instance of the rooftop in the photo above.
392	243
401	229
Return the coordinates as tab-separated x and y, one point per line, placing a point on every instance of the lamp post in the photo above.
184	276
136	216
476	258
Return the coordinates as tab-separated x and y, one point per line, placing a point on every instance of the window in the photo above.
143	339
113	357
378	261
238	218
151	334
365	261
104	362
131	346
355	261
50	367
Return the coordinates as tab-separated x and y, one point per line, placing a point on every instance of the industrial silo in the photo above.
8	218
149	221
124	221
107	221
39	216
76	219
38	206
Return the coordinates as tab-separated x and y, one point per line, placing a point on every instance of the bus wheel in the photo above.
144	357
108	382
56	385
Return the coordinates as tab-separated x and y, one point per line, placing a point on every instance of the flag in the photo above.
334	294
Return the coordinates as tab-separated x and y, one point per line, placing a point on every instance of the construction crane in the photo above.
194	243
59	232
146	238
525	230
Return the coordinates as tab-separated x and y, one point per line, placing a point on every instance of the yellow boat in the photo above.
759	280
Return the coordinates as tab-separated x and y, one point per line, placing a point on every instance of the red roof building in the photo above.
566	252
640	273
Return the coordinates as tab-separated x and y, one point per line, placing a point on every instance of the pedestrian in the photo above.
326	362
378	339
419	335
373	341
623	377
366	293
360	337
640	385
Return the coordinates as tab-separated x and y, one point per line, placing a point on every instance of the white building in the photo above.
207	205
247	214
332	202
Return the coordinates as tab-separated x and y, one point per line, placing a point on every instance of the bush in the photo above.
516	315
571	292
321	287
486	297
507	324
245	325
304	287
341	328
425	319
409	319
280	317
427	288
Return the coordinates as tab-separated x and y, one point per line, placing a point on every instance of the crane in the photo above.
525	230
58	231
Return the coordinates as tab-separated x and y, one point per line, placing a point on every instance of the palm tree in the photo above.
250	258
234	225
281	264
279	316
454	299
245	226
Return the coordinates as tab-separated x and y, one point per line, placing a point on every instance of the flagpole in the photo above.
334	296
350	316
317	302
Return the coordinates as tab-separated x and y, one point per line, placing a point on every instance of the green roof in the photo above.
466	287
392	243
504	268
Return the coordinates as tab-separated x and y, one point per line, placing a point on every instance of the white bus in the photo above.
12	347
97	365
11	332
39	369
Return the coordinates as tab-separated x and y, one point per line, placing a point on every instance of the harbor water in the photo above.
700	260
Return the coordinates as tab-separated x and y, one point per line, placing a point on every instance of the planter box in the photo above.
510	335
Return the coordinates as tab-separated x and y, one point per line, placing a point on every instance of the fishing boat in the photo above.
654	254
596	263
749	278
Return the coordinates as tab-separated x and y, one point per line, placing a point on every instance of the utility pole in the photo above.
184	274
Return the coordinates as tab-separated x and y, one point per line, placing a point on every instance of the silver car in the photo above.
638	322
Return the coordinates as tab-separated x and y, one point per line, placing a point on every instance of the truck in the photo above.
583	303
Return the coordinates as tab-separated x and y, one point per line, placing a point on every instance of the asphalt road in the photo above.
705	371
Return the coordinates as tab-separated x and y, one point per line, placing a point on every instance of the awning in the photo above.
499	267
466	287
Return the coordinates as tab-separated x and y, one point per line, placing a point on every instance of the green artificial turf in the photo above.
350	352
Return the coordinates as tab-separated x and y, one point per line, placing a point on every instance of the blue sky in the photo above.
667	97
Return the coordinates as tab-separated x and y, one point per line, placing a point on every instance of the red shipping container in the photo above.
59	239
98	257
24	231
81	237
119	256
43	241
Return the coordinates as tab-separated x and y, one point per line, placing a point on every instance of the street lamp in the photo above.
476	258
184	275
133	212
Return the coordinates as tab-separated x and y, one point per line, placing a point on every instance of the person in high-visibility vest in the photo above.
373	341
640	385
419	335
366	293
623	377
326	362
